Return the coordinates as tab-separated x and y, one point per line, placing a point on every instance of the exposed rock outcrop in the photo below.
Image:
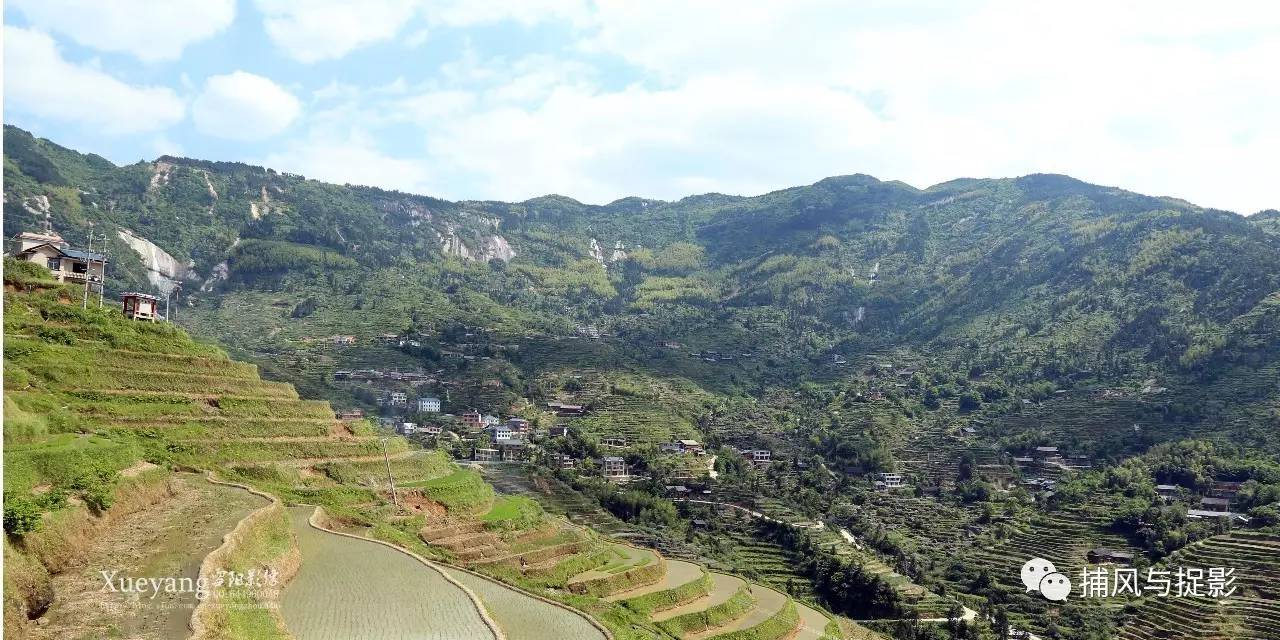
163	270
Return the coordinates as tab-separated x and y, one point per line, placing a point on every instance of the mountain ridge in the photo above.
1043	265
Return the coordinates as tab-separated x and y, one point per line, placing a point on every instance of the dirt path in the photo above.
167	540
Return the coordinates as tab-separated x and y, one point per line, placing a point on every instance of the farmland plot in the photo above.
723	586
813	623
678	573
522	617
350	588
169	539
625	557
768	603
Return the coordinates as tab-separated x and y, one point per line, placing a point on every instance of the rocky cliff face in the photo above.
163	270
486	247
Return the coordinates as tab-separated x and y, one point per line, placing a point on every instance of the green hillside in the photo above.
103	415
851	327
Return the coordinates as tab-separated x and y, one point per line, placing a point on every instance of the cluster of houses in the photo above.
509	439
412	377
1053	457
683	446
69	264
713	356
1216	503
424	404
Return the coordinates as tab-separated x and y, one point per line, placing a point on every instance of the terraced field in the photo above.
556	498
625	568
89	394
723	587
678	573
767	604
1253	611
523	617
1063	537
171	540
813	623
769	563
349	588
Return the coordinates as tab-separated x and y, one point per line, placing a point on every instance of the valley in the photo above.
852	409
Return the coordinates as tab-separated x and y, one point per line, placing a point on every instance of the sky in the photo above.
598	100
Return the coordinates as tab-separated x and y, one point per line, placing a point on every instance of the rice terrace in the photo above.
607	320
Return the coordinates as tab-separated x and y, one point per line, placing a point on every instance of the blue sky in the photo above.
601	100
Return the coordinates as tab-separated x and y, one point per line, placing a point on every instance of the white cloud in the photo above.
1169	99
462	13
243	106
350	158
731	133
318	30
40	82
747	98
329	29
149	30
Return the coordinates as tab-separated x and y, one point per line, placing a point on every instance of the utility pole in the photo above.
390	478
88	276
102	286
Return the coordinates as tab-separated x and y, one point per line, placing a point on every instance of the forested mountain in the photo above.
851	327
1041	278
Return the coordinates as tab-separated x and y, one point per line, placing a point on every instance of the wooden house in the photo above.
139	306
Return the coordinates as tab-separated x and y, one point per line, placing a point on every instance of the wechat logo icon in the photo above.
1040	575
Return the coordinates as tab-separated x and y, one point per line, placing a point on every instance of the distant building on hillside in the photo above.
615	468
429	405
1045	453
485	455
350	414
500	432
615	442
407	428
489	420
139	306
683	446
473	420
1221	505
566	410
888	481
1224	488
343	341
758	457
398	399
65	263
558	431
513	450
1168	491
1102	555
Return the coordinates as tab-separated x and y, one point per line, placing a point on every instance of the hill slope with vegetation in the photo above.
850	327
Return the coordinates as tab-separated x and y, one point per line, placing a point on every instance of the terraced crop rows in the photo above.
523	617
1253	611
348	588
1063	537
